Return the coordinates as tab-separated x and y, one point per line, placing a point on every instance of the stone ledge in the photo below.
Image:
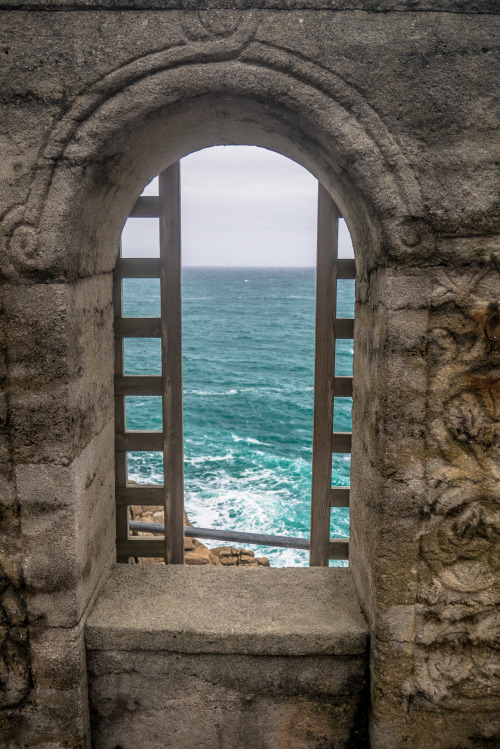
295	611
371	6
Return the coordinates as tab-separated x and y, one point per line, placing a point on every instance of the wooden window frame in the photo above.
168	385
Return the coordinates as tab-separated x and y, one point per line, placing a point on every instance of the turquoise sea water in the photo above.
248	366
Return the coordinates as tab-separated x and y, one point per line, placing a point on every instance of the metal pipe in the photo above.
214	534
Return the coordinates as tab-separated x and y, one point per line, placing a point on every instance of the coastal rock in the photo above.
229	556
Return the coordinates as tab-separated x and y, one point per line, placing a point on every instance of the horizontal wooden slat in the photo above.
138	385
139	495
339	496
139	546
138	267
341	442
137	327
338	548
346	268
344	327
147	206
343	387
129	441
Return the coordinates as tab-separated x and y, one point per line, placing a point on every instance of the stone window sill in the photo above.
192	609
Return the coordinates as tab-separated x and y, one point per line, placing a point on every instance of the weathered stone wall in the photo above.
393	104
58	513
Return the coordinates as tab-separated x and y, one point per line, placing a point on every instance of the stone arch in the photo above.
138	119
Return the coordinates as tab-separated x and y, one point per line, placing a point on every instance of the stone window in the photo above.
168	385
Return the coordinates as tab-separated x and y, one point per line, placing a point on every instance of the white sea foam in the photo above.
210	392
248	440
153	477
200	459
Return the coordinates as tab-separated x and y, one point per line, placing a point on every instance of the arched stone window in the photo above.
391	107
168	385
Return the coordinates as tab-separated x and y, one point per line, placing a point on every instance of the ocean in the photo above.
248	368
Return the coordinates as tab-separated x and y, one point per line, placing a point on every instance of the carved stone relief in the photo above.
457	656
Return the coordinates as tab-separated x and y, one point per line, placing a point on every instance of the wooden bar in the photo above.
171	343
138	267
120	426
339	496
139	495
139	440
338	548
147	206
343	387
122	512
346	268
138	385
140	546
324	377
137	327
344	327
341	442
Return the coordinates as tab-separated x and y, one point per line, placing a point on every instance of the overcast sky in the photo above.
241	206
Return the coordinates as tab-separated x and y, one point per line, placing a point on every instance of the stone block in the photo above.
404	499
44	685
393	569
53	425
61	367
57	657
212	609
15	682
58	711
397	625
42	334
482	249
405	332
405	288
67	519
9	516
55	719
173	700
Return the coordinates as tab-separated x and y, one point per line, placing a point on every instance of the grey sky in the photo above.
242	206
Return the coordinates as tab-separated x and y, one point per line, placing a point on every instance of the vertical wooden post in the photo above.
171	349
324	377
120	417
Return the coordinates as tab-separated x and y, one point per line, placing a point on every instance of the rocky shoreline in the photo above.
196	552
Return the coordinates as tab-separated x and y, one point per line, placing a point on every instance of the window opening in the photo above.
168	439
